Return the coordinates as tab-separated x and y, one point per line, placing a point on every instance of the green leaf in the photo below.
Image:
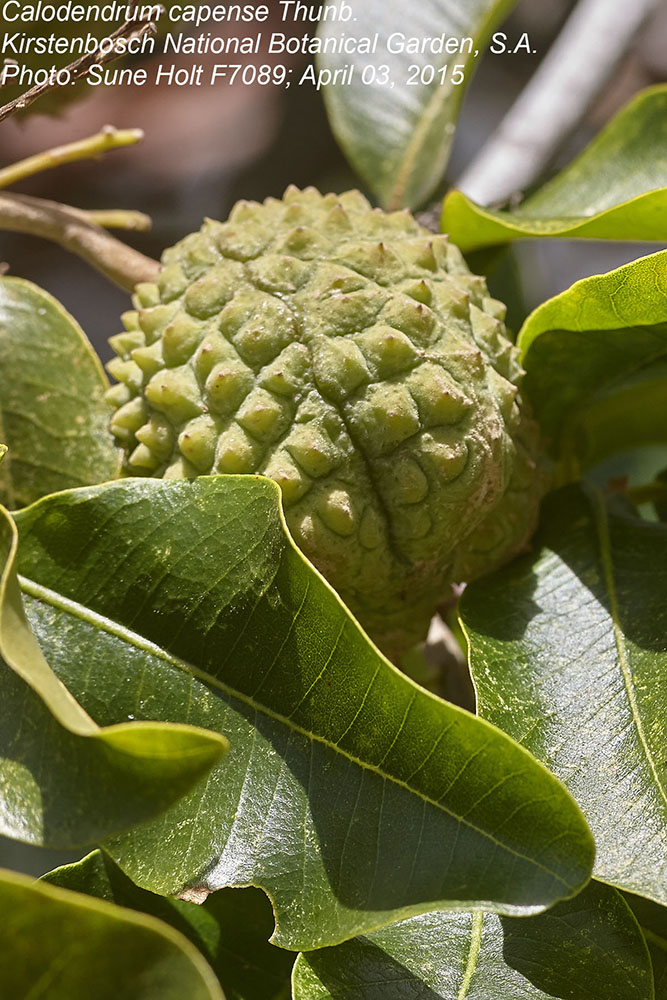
231	927
587	948
64	780
615	190
397	135
653	922
350	795
61	945
568	654
53	416
596	362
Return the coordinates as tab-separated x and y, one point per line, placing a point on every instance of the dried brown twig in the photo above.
80	68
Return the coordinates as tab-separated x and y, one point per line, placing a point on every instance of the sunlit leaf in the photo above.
351	795
397	127
53	416
568	648
64	780
596	362
615	190
62	945
588	948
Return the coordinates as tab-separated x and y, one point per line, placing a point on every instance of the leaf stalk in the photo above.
102	142
80	233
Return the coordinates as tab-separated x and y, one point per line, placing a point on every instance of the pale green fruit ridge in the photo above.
350	355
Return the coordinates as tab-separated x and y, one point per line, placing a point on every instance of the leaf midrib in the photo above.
602	527
438	100
473	955
59	602
396	194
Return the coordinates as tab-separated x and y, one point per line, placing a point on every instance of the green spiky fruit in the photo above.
350	355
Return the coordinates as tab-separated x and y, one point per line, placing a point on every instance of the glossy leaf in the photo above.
231	927
615	190
652	919
396	134
350	795
53	416
61	945
64	780
588	948
596	362
569	656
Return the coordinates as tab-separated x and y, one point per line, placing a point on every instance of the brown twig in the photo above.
80	67
72	229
